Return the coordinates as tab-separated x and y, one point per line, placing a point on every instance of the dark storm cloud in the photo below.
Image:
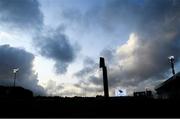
144	59
26	14
89	66
85	71
55	45
20	13
18	58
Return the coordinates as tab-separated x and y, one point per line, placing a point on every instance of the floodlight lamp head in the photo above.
15	70
171	57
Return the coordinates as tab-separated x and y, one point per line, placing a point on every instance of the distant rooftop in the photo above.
15	92
172	80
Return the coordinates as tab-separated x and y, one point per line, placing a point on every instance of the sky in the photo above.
56	44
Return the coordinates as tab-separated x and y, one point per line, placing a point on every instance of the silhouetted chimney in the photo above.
105	78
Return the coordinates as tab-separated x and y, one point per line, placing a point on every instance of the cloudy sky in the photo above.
56	44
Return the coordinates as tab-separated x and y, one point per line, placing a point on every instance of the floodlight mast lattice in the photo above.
14	72
171	58
105	78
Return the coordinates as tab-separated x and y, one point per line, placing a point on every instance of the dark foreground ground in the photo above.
89	107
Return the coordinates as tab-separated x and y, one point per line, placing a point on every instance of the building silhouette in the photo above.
170	88
147	94
15	92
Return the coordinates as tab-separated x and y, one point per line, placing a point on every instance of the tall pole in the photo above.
14	79
172	66
105	77
106	90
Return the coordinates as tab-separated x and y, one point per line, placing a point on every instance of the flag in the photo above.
120	91
15	70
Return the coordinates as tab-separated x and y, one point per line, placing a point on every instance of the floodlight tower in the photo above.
171	58
105	78
14	72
